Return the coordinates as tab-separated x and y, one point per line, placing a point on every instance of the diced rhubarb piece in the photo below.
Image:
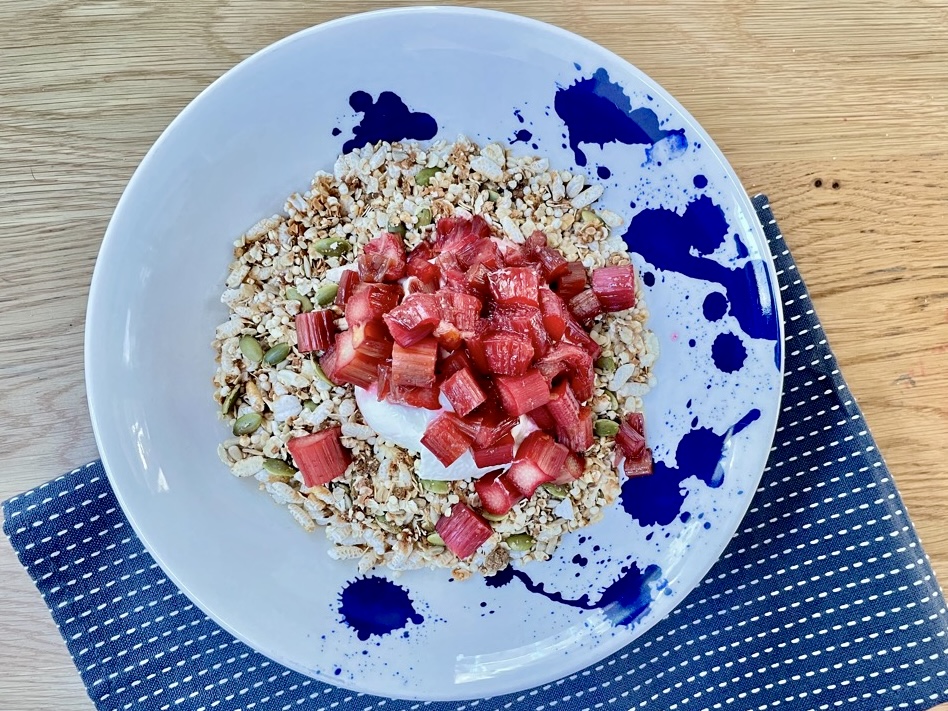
492	426
369	302
414	285
448	262
514	285
446	438
520	394
419	265
499	453
573	468
383	259
564	408
535	241
513	255
544	451
630	440
451	364
461	310
456	280
585	307
320	457
542	418
414	318
496	494
572	282
577	335
428	398
573	362
525	477
347	283
464	531
638	466
554	313
579	438
384	382
486	254
506	352
461	235
349	365
315	331
328	364
463	392
474	343
372	340
614	287
522	320
477	279
636	421
553	265
449	337
414	365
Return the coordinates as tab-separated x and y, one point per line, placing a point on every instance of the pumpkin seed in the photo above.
493	195
321	375
613	400
277	353
557	491
589	216
397	227
493	517
435	486
607	364
424	217
435	540
330	247
425	175
520	542
277	467
326	293
386	524
247	424
309	405
251	348
228	403
606	428
305	304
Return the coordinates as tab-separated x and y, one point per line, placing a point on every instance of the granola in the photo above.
378	512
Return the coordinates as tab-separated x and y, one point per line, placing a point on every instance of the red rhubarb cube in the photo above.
315	331
579	438
541	449
446	437
614	287
413	319
554	313
451	364
460	309
521	393
497	454
372	340
576	335
522	320
320	457
514	285
543	419
347	284
463	392
506	352
572	282
630	438
419	265
639	466
573	362
492	426
496	494
383	259
525	477
414	365
563	408
585	307
344	364
369	302
573	468
464	531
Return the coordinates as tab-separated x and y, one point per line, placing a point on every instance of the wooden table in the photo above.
840	115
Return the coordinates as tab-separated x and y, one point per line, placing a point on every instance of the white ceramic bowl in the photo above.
258	134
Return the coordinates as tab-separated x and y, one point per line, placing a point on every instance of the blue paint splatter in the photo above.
578	67
580	560
657	499
596	110
728	353
715	306
623	602
376	606
387	119
337	671
521	136
700	181
741	249
518	115
692	342
336	131
603	172
648	279
685	243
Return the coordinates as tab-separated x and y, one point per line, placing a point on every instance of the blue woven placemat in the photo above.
824	599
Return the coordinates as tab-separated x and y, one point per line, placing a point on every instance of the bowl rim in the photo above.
96	385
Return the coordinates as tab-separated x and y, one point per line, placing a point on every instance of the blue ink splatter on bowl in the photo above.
521	136
728	353
603	172
686	242
657	499
596	110
376	606
714	306
700	181
336	131
387	119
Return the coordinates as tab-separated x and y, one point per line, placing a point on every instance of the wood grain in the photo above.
851	94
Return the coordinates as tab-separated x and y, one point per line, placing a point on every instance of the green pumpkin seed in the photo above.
520	542
396	227
321	375
330	247
613	400
588	216
326	293
435	486
251	349
493	517
277	353
309	405
277	467
247	424
228	403
305	304
606	428
424	217
386	524
435	540
493	195
425	175
557	491
607	364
